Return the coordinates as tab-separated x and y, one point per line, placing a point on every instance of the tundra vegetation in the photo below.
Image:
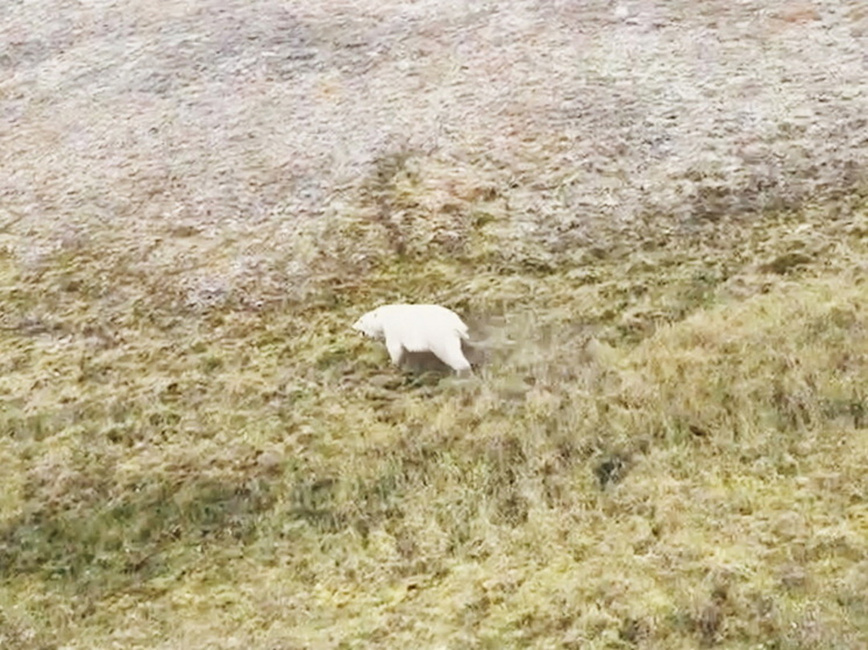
653	216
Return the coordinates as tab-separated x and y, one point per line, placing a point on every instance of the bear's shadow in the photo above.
424	362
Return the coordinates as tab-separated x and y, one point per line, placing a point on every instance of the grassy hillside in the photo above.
653	216
664	447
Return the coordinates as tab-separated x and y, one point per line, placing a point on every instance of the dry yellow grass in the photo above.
654	458
665	445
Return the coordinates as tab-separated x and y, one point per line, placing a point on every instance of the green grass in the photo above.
664	448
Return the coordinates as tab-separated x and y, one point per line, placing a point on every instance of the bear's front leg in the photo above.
396	350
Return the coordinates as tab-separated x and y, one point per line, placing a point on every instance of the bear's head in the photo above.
370	324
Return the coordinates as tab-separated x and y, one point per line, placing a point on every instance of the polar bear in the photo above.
418	328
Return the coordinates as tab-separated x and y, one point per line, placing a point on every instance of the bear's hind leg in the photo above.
450	353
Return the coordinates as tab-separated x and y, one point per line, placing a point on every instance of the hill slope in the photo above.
660	246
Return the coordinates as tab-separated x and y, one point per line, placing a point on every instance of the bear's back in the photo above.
415	325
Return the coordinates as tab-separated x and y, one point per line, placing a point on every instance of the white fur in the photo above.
418	328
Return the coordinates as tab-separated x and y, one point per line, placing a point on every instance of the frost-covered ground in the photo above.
218	112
